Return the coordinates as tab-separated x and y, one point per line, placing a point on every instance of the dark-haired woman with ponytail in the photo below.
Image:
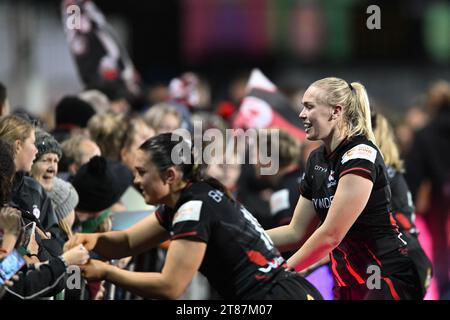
209	233
344	209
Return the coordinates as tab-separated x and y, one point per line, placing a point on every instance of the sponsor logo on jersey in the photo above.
260	260
279	201
323	203
190	211
320	169
274	264
257	258
361	151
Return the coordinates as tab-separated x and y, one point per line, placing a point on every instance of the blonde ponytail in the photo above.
363	123
64	225
355	102
384	134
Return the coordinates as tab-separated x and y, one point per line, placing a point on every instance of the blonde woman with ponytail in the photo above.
344	208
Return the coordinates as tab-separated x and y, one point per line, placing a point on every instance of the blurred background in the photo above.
292	41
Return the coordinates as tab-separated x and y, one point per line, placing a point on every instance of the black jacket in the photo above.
26	194
29	196
32	200
45	281
48	280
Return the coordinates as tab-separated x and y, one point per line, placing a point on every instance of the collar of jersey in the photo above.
333	153
182	194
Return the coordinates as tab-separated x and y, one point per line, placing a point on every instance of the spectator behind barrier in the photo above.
71	114
77	151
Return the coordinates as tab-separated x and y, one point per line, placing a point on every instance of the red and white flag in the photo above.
265	107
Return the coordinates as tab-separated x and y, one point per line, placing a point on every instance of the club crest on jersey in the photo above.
331	180
36	211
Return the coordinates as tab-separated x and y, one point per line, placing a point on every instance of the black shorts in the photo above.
403	285
422	264
291	286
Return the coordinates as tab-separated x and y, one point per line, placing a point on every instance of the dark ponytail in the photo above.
168	149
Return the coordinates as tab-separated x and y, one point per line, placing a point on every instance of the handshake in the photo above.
77	255
76	252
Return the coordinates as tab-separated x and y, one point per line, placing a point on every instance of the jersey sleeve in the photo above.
280	207
359	160
306	181
191	221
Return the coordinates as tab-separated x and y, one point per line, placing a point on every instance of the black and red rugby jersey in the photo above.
241	261
374	238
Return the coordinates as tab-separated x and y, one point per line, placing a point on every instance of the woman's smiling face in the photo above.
316	114
149	180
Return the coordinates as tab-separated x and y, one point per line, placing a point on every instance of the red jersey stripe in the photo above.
350	268
391	288
192	233
374	256
354	169
340	282
159	218
393	222
403	220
